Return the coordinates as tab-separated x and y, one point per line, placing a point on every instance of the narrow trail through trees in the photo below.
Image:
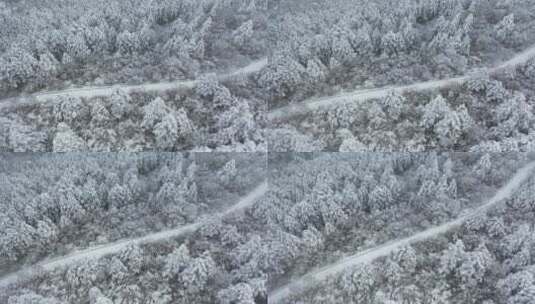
88	92
367	256
314	104
103	250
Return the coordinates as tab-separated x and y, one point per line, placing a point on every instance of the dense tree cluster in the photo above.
209	266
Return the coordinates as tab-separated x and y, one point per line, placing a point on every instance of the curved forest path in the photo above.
96	91
99	251
314	277
314	104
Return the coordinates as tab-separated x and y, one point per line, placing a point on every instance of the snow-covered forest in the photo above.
403	76
56	43
340	204
176	52
267	151
57	206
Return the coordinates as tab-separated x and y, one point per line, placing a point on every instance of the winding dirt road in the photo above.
312	278
88	92
107	249
314	104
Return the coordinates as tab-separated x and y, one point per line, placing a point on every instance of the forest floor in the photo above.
368	255
114	247
314	104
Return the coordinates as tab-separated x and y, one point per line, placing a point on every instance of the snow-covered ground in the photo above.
103	250
363	95
371	254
